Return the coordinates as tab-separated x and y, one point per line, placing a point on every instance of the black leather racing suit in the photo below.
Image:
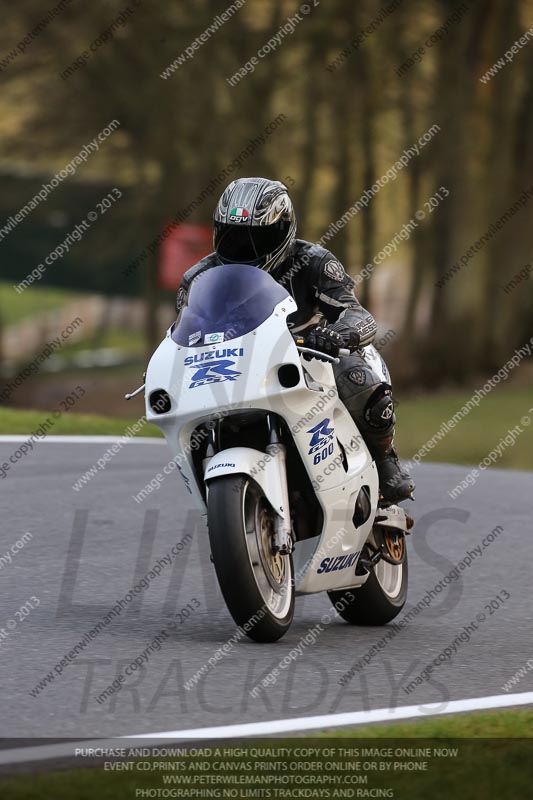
317	281
324	294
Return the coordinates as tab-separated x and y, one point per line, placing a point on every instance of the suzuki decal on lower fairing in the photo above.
340	562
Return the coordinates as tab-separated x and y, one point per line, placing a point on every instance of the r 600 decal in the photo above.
324	453
321	445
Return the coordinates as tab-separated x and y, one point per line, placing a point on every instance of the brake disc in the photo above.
393	549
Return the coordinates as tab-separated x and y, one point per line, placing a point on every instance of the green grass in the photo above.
14	421
14	307
418	420
482	724
475	435
130	343
497	766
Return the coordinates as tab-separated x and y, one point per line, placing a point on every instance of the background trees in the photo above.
349	116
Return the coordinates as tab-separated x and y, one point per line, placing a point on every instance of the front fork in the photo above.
283	542
283	536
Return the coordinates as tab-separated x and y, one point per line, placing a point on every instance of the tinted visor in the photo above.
245	244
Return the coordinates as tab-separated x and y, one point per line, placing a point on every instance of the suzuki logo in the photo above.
214	372
319	431
322	436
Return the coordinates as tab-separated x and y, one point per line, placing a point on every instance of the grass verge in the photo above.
15	421
458	764
475	435
16	307
419	420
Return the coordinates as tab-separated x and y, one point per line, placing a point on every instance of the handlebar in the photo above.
324	356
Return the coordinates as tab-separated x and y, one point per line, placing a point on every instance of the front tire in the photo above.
257	585
380	599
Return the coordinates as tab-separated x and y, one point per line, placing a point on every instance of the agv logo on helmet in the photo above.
239	215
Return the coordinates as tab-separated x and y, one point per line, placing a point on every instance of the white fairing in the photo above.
247	461
245	375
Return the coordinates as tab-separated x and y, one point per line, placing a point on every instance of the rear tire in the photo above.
254	582
379	600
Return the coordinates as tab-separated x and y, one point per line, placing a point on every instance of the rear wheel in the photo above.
381	598
256	583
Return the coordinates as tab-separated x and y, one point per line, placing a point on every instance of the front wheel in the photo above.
256	583
381	598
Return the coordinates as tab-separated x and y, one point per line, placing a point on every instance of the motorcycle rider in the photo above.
255	223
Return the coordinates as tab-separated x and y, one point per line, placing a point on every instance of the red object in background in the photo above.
185	245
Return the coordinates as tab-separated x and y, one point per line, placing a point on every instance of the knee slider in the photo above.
379	411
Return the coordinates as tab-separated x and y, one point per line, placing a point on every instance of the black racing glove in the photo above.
326	341
351	339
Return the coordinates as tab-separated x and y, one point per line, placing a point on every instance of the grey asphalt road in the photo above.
89	547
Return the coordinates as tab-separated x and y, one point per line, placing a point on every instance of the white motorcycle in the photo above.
271	455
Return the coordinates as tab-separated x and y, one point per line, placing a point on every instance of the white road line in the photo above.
269	727
85	439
